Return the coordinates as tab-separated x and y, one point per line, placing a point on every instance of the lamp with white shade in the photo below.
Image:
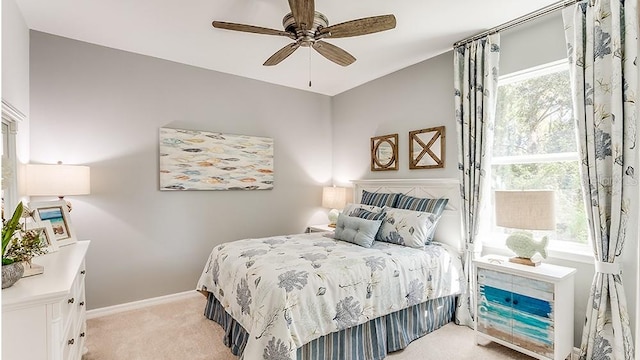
57	180
334	198
525	210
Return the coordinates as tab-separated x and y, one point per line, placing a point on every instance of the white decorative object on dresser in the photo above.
44	316
529	309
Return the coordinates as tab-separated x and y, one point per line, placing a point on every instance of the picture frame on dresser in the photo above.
57	213
47	236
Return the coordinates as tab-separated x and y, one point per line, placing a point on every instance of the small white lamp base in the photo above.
333	217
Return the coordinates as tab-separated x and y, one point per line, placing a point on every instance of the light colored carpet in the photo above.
179	330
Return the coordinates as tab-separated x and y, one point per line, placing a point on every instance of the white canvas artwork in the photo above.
201	160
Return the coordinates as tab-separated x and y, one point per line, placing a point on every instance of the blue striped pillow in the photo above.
378	199
369	215
434	206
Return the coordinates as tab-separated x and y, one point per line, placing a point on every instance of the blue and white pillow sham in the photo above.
369	215
379	199
351	209
406	227
433	206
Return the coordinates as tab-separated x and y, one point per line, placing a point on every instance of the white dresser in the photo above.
44	316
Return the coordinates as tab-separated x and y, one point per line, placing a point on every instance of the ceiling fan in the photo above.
308	28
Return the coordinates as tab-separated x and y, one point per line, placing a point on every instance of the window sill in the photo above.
570	252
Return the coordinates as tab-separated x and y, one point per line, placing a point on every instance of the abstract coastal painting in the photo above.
201	160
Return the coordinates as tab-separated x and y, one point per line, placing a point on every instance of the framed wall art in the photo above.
202	160
384	152
427	148
57	213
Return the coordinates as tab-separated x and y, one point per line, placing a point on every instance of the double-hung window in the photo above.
535	148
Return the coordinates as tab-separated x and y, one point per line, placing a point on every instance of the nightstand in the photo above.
526	308
319	228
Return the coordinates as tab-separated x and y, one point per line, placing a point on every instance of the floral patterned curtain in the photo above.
602	50
475	86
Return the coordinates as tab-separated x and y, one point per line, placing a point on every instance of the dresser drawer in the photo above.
68	344
74	342
74	300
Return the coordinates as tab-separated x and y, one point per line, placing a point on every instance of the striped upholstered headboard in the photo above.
449	230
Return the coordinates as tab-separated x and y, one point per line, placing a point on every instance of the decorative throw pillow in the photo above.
406	227
369	215
433	206
379	199
351	209
356	230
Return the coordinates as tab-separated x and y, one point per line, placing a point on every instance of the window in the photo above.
535	147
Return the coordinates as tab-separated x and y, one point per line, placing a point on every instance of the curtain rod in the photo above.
521	20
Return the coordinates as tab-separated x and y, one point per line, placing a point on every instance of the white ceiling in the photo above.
181	31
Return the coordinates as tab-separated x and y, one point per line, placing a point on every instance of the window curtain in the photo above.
475	86
602	51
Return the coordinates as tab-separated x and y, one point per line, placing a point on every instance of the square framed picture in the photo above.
384	152
57	213
427	148
47	236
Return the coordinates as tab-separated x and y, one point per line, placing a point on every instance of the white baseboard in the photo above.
110	310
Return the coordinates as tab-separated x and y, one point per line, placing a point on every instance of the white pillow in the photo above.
351	208
406	227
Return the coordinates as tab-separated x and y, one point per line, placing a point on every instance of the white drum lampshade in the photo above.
57	180
334	198
526	210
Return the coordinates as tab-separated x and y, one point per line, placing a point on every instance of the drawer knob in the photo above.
71	301
81	303
71	342
82	334
507	300
83	272
515	302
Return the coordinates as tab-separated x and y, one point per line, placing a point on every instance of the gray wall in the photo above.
421	96
102	107
414	98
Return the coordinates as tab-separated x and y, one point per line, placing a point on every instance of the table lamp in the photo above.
525	210
57	180
334	198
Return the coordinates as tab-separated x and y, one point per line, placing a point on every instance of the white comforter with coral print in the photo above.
288	290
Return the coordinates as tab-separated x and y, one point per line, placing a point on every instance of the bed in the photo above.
313	296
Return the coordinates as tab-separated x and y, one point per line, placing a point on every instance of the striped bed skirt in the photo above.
372	340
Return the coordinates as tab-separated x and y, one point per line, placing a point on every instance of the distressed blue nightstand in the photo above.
526	308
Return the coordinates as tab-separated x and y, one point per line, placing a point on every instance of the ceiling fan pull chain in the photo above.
309	66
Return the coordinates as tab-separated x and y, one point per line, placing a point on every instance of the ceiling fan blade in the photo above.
304	12
334	53
250	29
362	26
281	54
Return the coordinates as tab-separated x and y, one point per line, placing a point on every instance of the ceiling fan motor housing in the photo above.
305	37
